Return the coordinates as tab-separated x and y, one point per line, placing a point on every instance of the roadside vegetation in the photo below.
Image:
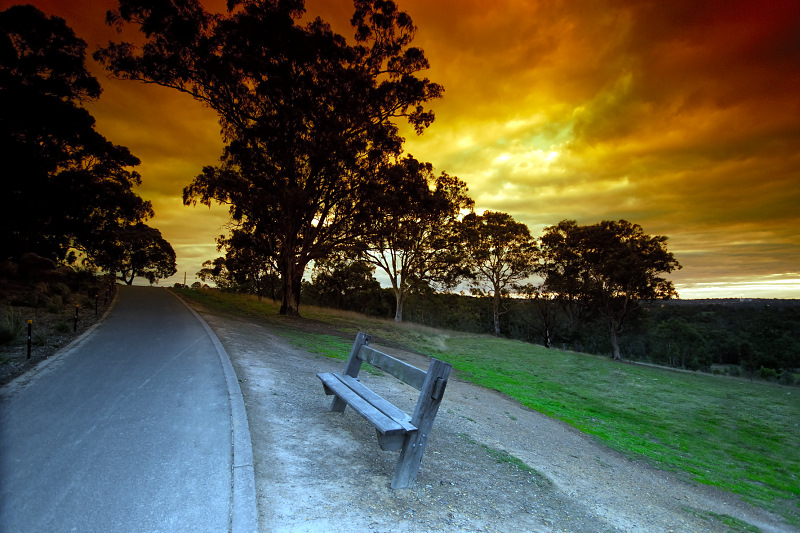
50	299
739	435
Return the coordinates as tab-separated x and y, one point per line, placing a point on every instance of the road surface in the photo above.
140	427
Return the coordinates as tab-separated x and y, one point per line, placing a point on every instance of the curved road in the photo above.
140	427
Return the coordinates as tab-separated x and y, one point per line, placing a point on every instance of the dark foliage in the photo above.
347	285
137	250
608	268
64	185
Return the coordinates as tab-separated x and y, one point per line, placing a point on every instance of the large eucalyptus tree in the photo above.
307	116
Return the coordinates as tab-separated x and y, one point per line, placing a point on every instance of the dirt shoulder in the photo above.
322	471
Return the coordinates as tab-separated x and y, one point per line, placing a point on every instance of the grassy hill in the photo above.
739	435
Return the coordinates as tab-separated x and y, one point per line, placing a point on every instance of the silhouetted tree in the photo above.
414	238
216	271
64	185
253	270
499	252
546	315
137	250
611	266
306	116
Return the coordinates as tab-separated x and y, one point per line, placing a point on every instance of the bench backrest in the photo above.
399	369
362	352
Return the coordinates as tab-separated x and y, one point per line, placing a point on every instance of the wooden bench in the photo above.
395	429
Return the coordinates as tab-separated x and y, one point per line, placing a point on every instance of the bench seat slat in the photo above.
384	424
378	402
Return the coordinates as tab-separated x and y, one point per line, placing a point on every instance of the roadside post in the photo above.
96	296
30	325
75	327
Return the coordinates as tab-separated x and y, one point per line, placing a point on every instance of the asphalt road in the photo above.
140	427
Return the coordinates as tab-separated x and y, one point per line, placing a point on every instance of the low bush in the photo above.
11	325
60	289
786	378
55	304
769	374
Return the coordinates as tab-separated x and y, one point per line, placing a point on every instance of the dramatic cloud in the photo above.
682	116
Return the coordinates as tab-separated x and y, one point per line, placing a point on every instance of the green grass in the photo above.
738	435
265	310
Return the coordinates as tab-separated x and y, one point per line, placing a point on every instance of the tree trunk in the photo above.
400	298
614	343
496	309
291	279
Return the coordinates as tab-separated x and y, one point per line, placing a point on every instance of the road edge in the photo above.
244	511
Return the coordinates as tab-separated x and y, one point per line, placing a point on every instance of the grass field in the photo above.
735	434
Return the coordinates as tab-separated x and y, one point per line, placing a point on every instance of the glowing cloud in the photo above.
682	116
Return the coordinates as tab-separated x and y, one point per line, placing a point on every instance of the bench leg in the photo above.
338	405
427	406
410	458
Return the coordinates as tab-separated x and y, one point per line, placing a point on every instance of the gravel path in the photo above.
322	471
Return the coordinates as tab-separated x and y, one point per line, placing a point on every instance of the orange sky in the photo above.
681	116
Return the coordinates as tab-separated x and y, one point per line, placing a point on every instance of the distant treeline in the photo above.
755	337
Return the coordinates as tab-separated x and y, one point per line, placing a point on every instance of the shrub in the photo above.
770	374
61	289
786	378
11	325
63	327
55	304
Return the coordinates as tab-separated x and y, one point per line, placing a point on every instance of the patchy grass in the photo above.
503	457
732	524
738	435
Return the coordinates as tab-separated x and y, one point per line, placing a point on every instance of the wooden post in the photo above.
427	406
353	366
30	322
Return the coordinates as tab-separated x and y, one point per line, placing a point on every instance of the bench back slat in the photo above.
399	369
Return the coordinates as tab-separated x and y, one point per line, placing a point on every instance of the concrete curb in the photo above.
244	512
